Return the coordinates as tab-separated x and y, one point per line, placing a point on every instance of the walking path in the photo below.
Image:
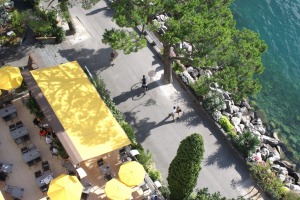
222	170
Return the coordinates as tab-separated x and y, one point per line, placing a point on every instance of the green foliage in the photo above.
88	4
43	23
145	158
105	95
201	86
17	21
227	126
203	194
34	108
291	196
61	151
129	131
127	41
154	174
266	179
165	191
213	102
246	143
177	68
185	167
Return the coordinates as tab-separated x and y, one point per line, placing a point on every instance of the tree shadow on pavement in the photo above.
94	60
218	158
142	127
105	9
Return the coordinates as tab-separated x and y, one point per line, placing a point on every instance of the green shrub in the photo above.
154	174
59	33
34	108
145	158
129	131
227	126
185	167
213	103
17	21
201	86
165	191
266	179
246	143
177	68
290	195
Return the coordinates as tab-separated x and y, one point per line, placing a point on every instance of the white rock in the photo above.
244	110
235	121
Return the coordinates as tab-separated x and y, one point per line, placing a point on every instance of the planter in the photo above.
46	40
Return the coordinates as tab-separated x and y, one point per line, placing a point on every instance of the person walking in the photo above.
144	83
178	111
173	113
113	55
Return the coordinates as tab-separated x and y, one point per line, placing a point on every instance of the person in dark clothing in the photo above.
113	55
144	83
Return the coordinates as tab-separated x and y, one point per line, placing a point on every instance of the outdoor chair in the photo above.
26	138
39	159
100	162
24	150
8	189
7	118
122	151
44	188
12	127
46	166
38	174
84	196
31	163
3	176
108	177
19	124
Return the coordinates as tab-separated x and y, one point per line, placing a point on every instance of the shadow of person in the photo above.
136	92
163	122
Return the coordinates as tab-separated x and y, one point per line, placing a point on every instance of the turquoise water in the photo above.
278	23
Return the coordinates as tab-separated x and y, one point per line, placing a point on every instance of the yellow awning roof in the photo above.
88	123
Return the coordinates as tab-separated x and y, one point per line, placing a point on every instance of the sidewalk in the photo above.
222	170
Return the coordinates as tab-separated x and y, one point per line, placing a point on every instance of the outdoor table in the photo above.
19	133
44	179
6	168
17	192
10	109
105	169
31	155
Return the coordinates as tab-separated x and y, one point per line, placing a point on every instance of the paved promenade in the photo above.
222	170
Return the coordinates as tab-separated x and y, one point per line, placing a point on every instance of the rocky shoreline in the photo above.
243	118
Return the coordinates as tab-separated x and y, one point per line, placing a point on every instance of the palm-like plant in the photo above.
246	143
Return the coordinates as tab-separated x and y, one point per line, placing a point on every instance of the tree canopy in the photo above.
209	29
185	167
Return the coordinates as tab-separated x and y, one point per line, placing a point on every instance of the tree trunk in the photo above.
167	63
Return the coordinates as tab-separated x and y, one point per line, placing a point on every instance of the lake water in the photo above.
278	23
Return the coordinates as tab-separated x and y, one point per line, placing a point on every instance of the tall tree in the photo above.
185	167
189	21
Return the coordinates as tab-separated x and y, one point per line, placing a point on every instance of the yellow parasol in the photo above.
65	187
1	196
116	190
132	173
11	78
